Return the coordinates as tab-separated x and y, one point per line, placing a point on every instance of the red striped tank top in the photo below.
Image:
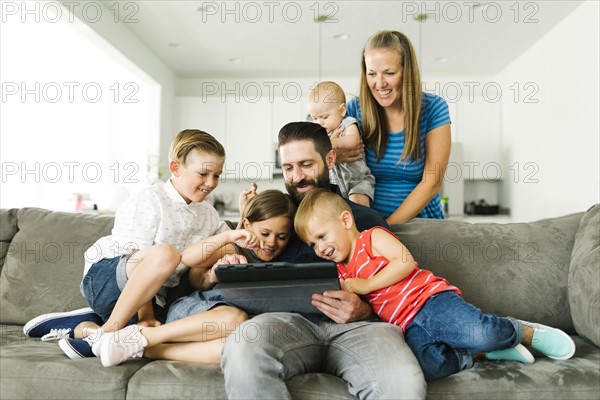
397	304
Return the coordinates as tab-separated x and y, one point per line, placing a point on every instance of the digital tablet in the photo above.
276	286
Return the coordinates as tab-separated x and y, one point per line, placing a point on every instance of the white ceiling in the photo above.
280	38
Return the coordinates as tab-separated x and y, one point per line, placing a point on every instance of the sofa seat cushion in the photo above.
44	264
30	369
33	369
576	378
584	277
179	380
518	269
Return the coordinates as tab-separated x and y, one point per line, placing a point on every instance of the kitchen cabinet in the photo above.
247	128
204	113
288	110
249	144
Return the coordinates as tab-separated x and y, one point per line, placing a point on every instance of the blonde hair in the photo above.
269	204
324	203
327	92
374	124
194	139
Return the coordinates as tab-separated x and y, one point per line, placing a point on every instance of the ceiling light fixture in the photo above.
322	18
340	36
420	17
174	44
236	60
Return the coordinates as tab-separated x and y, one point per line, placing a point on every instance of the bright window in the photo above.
74	119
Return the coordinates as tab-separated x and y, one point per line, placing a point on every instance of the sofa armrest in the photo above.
584	277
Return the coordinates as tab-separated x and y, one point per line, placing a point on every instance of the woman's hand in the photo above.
349	155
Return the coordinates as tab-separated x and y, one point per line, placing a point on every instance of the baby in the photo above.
327	107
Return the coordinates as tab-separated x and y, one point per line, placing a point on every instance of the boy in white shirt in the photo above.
127	273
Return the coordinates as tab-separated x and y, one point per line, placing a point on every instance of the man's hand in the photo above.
342	306
246	196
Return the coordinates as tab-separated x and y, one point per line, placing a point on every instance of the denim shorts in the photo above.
103	284
195	303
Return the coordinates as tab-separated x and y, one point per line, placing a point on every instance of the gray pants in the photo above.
269	349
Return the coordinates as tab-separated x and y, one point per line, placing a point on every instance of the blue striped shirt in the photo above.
394	179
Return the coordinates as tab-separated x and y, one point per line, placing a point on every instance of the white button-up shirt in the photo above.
157	214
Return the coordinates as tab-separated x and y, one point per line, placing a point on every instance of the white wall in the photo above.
551	146
121	43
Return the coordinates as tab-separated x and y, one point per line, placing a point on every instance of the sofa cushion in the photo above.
44	265
518	269
181	380
576	378
31	369
8	228
584	277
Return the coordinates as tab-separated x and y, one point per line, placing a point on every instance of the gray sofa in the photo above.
546	271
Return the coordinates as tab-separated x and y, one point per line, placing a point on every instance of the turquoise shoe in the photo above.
518	353
551	342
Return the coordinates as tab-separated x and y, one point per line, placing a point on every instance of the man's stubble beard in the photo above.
321	182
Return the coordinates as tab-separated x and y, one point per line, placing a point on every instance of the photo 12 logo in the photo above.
53	11
489	92
69	92
251	92
470	11
253	12
69	171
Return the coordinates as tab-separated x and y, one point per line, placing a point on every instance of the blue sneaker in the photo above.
81	348
518	353
59	325
551	342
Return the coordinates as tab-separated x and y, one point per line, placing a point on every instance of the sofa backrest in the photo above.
519	269
8	229
44	261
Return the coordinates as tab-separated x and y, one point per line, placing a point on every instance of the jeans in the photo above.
102	286
448	331
269	349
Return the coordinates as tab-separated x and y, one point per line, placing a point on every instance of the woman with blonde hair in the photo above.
406	132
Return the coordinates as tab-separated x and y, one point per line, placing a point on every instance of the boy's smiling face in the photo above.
329	238
198	177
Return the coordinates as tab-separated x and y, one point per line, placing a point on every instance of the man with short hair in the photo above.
371	356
